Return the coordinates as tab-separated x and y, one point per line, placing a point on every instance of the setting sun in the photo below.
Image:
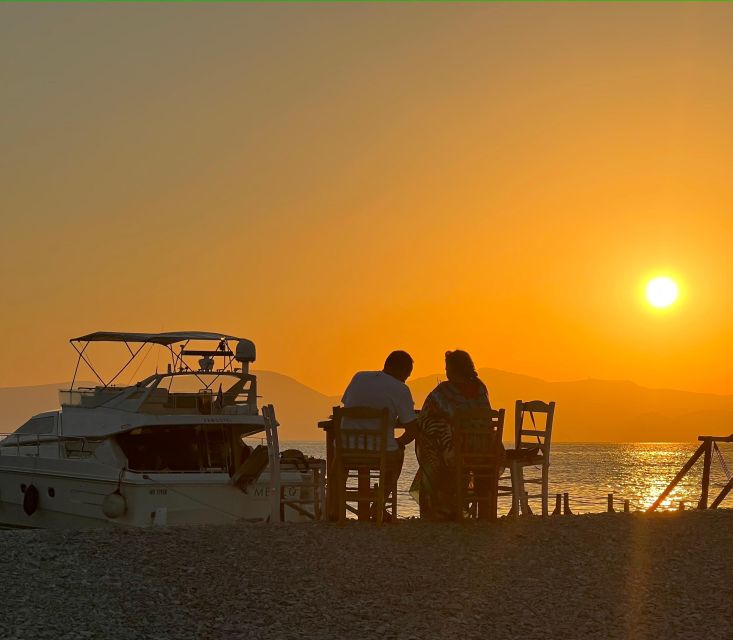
662	292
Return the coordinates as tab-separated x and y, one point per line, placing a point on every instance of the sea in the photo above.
634	471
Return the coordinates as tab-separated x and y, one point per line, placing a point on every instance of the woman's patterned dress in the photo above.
434	485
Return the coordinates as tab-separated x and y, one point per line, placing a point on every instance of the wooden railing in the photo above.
709	444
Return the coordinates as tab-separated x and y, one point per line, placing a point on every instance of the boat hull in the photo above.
72	501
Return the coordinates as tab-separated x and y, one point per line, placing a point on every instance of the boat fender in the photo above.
114	505
30	500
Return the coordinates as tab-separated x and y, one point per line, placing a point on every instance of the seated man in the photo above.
386	388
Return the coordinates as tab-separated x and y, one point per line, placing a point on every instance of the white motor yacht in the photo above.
177	447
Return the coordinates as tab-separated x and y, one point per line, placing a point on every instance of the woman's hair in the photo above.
461	363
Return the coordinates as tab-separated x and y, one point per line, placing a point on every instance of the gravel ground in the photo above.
597	576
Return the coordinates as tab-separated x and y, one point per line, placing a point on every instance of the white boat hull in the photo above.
70	468
67	500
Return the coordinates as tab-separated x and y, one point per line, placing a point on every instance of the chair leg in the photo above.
545	489
343	475
526	511
380	498
394	501
458	492
364	484
494	496
516	488
484	492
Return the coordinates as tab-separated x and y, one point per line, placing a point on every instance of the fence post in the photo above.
703	504
626	506
566	504
610	503
558	505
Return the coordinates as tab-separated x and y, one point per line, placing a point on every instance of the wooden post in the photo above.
678	477
610	504
626	506
682	505
526	509
317	498
703	504
566	504
558	505
333	475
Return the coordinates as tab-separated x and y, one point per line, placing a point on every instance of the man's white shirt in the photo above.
379	390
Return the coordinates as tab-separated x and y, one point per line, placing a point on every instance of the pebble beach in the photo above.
666	575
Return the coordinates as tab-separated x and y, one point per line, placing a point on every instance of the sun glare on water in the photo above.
662	292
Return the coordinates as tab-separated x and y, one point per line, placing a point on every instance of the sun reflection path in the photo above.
653	466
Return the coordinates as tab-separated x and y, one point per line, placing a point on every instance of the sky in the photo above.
336	181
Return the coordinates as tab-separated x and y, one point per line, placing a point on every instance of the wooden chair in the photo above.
306	496
274	489
531	449
293	494
478	454
361	454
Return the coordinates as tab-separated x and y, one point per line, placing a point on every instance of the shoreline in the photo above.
662	575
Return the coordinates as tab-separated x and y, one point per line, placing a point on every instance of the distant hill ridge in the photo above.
587	410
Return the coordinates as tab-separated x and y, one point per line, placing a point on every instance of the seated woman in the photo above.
435	480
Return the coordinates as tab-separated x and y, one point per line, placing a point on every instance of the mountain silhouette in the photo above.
587	410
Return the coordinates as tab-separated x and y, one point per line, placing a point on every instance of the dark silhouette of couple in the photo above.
434	484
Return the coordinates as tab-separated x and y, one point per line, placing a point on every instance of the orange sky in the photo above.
336	181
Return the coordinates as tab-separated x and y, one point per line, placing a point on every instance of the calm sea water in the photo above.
635	471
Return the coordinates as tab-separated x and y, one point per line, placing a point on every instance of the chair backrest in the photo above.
365	441
477	433
478	450
539	431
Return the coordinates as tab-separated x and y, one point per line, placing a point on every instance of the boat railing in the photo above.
203	402
37	439
160	400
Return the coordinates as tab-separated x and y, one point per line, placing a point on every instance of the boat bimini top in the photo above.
157	338
228	357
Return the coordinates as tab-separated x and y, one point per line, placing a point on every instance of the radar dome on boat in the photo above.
245	351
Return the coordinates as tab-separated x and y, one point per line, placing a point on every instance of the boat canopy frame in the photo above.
168	340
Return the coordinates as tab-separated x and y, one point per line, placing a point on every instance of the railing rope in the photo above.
721	460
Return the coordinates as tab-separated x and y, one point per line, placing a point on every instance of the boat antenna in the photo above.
157	353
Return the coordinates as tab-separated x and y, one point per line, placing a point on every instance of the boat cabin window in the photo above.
192	448
38	426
